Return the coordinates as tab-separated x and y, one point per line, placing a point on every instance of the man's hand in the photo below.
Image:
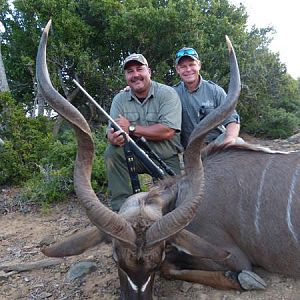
115	137
123	123
126	89
229	140
232	132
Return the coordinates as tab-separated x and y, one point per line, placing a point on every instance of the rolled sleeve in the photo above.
234	118
117	107
170	110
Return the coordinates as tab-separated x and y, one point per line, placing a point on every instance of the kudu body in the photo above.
210	226
250	208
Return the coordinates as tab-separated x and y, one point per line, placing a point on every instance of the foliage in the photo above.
54	181
273	123
33	158
26	141
277	96
279	123
99	179
48	186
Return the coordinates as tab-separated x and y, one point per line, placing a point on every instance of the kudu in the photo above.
235	207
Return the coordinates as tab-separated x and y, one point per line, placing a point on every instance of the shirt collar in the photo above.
151	94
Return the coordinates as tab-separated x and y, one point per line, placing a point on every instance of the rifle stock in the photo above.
148	163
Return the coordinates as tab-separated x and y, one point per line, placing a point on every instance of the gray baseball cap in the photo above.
135	57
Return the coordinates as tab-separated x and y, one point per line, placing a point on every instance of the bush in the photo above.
26	140
99	178
48	187
277	123
54	182
33	158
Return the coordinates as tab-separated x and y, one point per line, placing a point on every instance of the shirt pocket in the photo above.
132	117
205	110
152	118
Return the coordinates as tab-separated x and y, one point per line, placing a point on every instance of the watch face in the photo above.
131	128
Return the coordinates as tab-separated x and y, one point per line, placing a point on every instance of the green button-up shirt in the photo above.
161	106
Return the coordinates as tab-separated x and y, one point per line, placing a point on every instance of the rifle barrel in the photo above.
97	105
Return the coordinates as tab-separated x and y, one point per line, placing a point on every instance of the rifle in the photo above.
151	167
143	143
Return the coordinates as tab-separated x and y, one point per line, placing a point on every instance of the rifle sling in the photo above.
134	178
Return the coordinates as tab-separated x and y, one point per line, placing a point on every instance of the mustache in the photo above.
136	78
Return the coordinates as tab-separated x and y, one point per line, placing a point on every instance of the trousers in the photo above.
119	184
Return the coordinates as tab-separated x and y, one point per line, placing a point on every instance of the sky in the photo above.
284	16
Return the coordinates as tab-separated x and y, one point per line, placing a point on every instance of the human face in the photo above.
188	70
138	77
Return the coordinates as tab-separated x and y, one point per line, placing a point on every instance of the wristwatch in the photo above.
131	129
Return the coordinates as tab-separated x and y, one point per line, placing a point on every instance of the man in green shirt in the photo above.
199	97
148	109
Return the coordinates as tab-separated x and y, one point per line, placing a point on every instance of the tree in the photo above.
3	80
90	39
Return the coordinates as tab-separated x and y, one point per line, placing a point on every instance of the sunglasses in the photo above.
187	51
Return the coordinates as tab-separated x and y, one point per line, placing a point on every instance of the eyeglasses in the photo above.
187	51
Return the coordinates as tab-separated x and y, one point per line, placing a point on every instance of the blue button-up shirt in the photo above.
199	103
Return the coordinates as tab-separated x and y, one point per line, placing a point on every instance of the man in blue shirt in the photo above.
199	97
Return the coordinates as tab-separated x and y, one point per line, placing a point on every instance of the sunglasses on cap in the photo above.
186	51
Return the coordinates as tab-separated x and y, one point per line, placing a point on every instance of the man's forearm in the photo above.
156	132
233	130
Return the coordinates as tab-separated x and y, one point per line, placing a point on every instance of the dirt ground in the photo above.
21	235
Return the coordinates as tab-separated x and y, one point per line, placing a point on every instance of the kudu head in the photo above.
140	230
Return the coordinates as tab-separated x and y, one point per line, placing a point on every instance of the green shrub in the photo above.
54	182
10	169
62	152
26	140
48	186
33	158
99	178
278	123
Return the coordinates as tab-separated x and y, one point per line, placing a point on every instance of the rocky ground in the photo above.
92	275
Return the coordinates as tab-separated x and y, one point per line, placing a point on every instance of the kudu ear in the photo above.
194	245
76	243
168	194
